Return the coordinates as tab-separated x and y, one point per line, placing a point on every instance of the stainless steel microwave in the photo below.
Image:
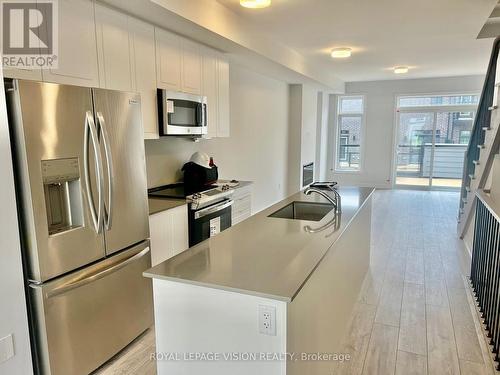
181	114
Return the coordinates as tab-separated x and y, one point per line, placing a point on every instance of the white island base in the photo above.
215	329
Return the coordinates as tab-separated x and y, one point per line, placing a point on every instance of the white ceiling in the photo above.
433	37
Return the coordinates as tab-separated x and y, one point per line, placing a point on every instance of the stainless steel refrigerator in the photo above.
82	198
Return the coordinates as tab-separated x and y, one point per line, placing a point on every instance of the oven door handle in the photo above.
212	209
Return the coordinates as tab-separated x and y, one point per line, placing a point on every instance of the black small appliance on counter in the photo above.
196	177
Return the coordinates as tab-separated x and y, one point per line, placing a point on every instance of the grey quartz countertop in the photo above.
159	204
263	256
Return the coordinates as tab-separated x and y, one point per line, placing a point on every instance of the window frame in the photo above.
338	135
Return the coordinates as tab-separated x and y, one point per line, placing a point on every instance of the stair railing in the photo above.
481	123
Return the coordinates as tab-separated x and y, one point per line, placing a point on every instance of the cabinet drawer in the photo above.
238	217
242	202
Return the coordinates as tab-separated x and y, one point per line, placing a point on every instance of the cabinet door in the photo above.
209	89
32	74
168	60
77	56
160	229
142	36
113	47
191	67
180	234
223	98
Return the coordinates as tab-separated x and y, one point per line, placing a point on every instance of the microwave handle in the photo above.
199	114
204	114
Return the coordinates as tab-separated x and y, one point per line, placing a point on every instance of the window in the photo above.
437	101
350	123
432	137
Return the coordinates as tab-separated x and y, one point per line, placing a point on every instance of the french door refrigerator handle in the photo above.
109	163
90	128
73	284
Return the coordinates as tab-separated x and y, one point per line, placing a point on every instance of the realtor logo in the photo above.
29	33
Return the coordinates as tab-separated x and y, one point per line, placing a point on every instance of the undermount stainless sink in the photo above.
309	211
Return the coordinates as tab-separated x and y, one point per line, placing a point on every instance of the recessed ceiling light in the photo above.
339	53
255	4
401	69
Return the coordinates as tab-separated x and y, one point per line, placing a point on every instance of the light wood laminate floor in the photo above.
415	314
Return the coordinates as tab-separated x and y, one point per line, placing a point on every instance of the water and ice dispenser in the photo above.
63	197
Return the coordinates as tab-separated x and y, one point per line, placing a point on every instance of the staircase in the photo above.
484	142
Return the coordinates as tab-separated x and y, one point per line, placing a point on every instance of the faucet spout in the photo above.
334	201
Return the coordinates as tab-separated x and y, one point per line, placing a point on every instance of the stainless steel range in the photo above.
209	208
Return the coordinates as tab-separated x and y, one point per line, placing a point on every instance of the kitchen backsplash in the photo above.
165	158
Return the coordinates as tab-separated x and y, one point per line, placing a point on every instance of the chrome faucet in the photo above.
334	201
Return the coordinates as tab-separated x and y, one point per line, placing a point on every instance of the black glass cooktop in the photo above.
179	191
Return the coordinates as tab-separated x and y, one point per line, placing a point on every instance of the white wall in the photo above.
309	125
13	318
257	149
322	137
303	128
380	121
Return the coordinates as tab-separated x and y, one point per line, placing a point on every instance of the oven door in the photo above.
183	114
207	222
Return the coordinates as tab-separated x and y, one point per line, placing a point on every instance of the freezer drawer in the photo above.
83	319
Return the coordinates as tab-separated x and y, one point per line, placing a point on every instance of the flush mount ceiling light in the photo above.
401	69
341	53
255	4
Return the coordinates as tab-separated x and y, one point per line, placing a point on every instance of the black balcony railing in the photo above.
349	156
485	270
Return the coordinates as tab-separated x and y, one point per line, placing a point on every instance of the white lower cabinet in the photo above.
242	206
169	233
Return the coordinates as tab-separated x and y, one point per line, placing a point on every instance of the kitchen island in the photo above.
240	301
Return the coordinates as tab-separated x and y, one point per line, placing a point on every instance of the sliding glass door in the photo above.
453	131
432	140
415	138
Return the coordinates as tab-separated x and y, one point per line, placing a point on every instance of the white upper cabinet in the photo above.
113	48
77	55
191	67
32	74
178	63
168	60
223	123
142	36
215	86
210	90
